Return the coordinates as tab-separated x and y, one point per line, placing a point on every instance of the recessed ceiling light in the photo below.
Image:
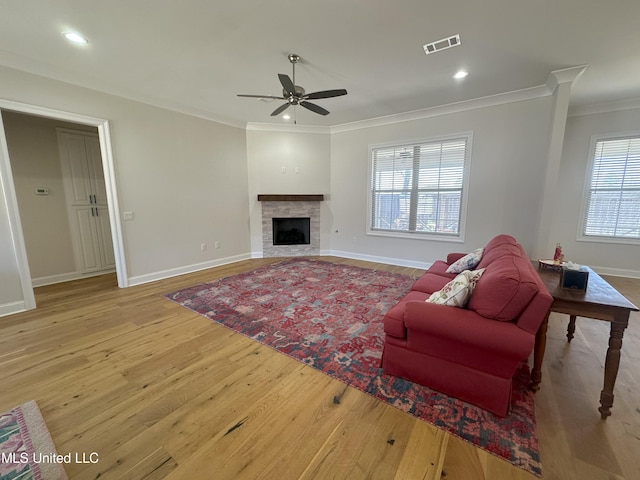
286	117
460	74
75	37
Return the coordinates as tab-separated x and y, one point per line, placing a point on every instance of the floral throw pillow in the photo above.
457	292
468	262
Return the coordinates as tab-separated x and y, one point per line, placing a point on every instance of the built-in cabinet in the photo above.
86	198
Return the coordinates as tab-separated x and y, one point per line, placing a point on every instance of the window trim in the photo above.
468	136
581	237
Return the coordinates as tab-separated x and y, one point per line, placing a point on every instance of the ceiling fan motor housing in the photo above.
296	95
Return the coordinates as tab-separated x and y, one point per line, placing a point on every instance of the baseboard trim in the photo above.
174	272
616	272
66	277
401	262
12	307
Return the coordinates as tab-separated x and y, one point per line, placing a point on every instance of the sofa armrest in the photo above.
535	313
454	257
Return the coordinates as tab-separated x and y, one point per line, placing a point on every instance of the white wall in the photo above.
302	151
184	178
508	165
611	258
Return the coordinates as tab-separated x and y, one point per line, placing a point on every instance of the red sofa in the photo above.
470	353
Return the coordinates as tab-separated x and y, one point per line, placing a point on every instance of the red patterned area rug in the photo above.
329	316
26	449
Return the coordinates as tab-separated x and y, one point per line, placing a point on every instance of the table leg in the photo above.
538	354
571	328
611	365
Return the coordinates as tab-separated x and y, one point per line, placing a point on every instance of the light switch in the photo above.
127	215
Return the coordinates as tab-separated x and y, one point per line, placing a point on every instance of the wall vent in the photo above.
443	44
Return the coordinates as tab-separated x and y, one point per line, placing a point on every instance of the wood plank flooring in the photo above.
159	392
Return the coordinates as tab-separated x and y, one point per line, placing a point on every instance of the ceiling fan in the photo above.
296	95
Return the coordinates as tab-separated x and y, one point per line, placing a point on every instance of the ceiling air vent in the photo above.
443	44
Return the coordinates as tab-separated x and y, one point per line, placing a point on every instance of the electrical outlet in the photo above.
203	247
217	244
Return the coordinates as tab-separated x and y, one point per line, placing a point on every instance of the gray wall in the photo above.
191	181
508	163
35	162
614	258
185	179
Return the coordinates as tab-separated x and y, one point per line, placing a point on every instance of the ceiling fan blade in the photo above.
287	84
326	94
280	109
260	96
314	108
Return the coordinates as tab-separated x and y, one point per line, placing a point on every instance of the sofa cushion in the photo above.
505	289
457	292
468	262
440	268
431	282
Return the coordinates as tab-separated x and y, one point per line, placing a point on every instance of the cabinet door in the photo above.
103	228
96	173
75	168
85	235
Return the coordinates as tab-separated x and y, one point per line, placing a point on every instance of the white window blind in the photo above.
418	188
613	197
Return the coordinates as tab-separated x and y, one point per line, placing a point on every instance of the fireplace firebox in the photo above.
292	231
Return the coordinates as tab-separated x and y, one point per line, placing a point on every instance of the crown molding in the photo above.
273	127
457	107
564	75
605	107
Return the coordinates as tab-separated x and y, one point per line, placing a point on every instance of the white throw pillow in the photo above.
457	292
468	262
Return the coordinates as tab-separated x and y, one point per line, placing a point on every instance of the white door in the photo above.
75	168
103	228
86	196
83	228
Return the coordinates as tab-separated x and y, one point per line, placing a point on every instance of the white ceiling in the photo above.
194	56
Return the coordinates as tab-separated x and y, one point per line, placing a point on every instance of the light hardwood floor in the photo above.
158	391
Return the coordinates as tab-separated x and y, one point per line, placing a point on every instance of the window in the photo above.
612	193
419	188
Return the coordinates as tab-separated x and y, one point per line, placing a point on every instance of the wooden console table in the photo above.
600	301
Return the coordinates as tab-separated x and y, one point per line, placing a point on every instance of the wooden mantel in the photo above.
290	198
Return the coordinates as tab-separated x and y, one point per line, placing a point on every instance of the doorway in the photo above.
6	176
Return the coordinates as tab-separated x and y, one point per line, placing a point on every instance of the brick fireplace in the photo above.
293	207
